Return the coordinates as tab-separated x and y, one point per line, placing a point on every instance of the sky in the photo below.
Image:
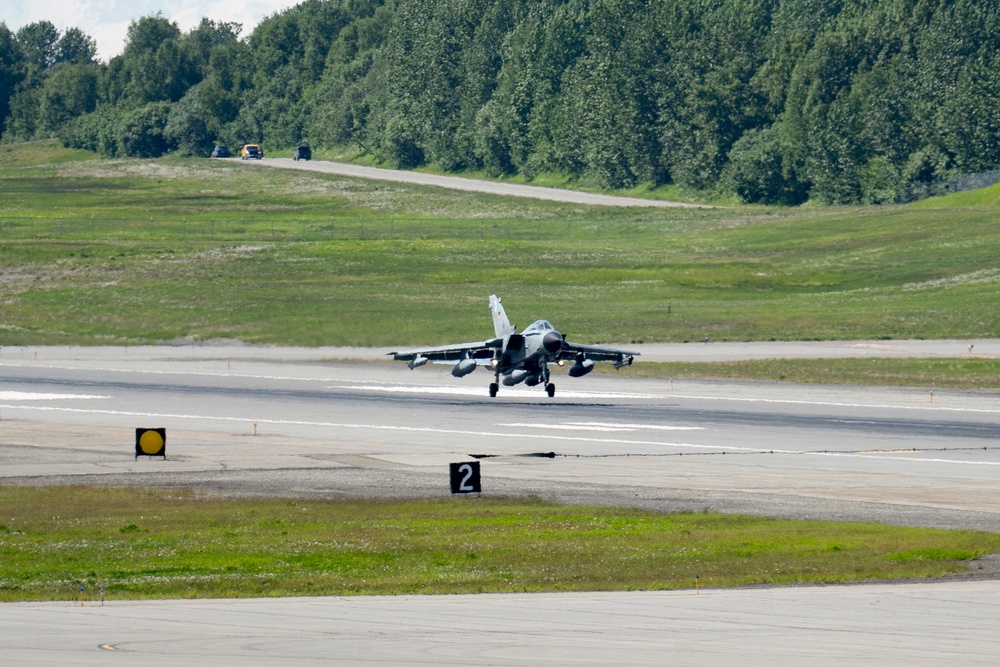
107	21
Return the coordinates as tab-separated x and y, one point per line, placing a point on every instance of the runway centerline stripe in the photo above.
639	427
467	391
595	426
445	390
567	427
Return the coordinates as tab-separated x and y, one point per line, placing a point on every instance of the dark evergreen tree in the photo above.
11	71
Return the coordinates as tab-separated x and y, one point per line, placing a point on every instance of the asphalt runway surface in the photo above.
249	421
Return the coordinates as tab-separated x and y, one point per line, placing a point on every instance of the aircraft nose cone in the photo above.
552	342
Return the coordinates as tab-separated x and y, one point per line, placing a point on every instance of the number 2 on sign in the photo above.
464	484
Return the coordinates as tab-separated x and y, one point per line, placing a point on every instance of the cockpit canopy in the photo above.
539	326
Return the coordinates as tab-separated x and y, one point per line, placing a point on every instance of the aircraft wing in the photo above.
597	353
482	352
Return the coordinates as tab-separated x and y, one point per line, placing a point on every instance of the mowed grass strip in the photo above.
150	544
951	373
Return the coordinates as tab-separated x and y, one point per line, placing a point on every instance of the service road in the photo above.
468	184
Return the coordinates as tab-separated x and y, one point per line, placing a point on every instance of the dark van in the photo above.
302	153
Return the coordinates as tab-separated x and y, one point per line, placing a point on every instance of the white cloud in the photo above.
107	21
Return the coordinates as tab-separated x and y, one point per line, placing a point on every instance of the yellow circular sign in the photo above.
151	442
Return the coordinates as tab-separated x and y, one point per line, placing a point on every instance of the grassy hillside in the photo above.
984	197
40	153
131	251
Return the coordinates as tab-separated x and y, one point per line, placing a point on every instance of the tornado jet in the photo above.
515	357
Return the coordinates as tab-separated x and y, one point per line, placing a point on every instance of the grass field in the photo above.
135	252
142	544
952	373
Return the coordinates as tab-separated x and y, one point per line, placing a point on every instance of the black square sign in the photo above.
465	477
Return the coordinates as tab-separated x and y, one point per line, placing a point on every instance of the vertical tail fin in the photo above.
501	325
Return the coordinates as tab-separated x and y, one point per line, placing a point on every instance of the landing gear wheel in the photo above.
550	389
494	388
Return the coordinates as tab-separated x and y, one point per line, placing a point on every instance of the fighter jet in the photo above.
517	357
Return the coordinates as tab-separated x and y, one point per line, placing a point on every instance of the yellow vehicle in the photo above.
251	152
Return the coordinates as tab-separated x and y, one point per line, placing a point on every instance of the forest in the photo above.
767	101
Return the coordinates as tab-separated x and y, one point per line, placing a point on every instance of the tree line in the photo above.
775	101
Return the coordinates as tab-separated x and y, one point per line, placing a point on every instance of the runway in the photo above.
267	421
237	416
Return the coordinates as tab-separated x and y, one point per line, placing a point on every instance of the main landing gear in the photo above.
550	389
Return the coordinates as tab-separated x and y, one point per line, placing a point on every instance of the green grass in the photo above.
952	373
149	544
135	252
40	153
988	197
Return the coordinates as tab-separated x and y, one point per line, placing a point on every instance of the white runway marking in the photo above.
36	396
490	434
641	427
598	426
504	391
896	458
666	397
567	427
836	404
147	371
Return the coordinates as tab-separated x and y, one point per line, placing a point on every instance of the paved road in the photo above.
327	429
888	625
467	184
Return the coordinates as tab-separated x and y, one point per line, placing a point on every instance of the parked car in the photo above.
302	153
220	151
252	151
